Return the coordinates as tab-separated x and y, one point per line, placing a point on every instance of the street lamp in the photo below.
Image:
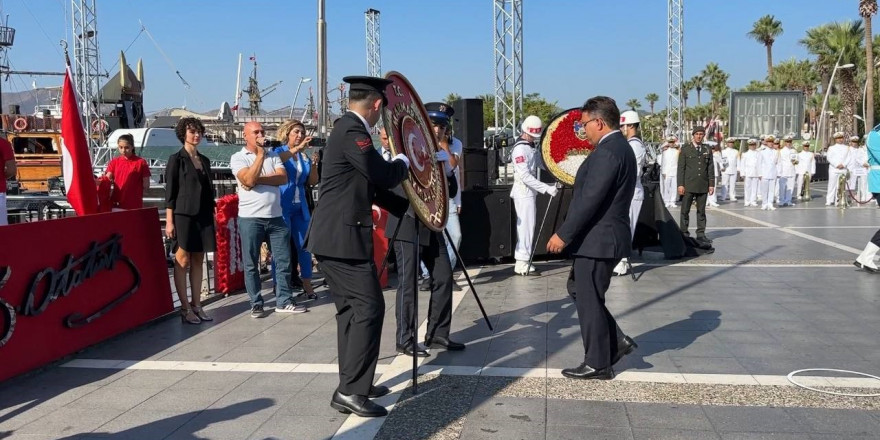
865	98
821	134
302	80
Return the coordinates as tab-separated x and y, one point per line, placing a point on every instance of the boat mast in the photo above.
238	86
322	72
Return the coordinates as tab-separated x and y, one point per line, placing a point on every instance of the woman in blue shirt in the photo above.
301	174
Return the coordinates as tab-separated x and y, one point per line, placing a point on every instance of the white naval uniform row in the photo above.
806	164
524	191
858	173
787	172
728	173
838	155
768	162
748	168
669	175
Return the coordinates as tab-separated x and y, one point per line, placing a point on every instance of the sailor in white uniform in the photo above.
858	170
524	192
669	172
629	126
768	163
806	165
787	171
729	168
838	159
748	169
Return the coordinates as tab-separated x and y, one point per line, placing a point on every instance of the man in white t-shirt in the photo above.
259	174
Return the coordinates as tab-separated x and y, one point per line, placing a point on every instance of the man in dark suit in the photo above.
433	252
596	231
353	177
696	182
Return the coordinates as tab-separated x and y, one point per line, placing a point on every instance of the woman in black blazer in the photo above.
189	216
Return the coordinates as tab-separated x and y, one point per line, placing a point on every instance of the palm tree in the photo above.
633	104
765	31
847	38
652	98
716	82
816	42
867	9
698	82
686	87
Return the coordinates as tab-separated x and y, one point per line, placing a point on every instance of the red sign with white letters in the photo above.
69	283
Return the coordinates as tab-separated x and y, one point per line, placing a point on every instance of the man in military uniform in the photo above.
838	158
354	177
696	180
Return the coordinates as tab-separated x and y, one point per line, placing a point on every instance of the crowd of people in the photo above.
772	171
273	186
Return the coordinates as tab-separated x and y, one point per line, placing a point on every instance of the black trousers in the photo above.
876	238
360	310
436	259
587	283
689	199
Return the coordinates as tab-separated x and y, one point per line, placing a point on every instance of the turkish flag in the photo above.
76	161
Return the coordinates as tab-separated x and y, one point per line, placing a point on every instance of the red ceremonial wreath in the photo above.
564	137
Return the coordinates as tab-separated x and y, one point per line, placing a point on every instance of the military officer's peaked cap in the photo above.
369	84
698	129
752	142
853	138
838	135
439	112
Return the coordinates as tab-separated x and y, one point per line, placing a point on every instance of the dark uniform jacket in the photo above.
406	232
696	172
597	223
353	177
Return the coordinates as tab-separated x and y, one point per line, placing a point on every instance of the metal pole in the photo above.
468	278
540	229
820	135
415	316
296	95
322	71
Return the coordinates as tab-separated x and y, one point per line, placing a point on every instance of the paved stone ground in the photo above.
717	335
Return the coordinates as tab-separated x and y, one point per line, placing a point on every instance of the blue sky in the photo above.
572	49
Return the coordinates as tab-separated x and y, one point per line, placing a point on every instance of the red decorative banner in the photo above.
228	262
69	283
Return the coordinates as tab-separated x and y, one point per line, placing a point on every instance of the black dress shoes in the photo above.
625	346
359	405
437	342
584	371
407	350
377	391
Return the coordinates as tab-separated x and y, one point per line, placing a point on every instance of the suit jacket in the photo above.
183	188
597	223
407	232
696	169
353	177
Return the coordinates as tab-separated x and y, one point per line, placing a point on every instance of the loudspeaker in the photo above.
474	169
467	123
486	223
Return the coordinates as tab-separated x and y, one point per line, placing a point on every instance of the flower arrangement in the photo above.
564	145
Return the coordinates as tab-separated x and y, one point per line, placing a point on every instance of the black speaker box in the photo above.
467	122
486	228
